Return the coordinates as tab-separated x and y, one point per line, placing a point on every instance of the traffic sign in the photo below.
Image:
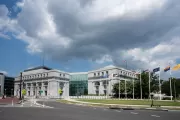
60	91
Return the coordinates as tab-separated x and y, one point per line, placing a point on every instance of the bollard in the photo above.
12	103
43	103
31	101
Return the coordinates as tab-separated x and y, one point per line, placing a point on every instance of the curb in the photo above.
122	107
130	108
3	104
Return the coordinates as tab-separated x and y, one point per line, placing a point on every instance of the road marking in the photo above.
117	110
94	108
134	113
155	116
105	109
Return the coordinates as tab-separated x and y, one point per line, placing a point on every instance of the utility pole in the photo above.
20	97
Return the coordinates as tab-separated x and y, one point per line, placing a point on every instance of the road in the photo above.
74	112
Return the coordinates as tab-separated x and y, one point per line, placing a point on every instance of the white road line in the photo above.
94	108
105	109
134	113
155	116
117	110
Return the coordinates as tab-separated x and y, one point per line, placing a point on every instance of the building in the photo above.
6	85
78	84
43	81
101	81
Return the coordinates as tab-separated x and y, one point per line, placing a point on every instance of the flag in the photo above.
177	67
167	68
156	69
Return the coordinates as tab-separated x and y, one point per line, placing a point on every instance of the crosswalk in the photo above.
28	103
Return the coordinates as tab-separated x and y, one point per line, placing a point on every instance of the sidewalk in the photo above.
8	100
120	106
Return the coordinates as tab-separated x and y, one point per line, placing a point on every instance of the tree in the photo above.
166	88
175	85
129	88
145	86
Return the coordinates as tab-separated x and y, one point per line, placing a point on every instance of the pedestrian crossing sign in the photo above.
60	91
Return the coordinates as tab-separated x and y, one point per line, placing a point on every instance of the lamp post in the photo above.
20	97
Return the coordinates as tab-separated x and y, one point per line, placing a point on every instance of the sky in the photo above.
82	35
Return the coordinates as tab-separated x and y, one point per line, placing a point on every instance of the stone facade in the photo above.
43	81
49	81
99	85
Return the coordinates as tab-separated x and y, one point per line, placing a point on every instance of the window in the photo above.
102	73
63	75
60	74
94	74
98	74
107	72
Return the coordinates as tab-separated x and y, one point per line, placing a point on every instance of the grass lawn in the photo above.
133	102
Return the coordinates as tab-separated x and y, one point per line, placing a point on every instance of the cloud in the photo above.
4	36
4	72
3	11
143	32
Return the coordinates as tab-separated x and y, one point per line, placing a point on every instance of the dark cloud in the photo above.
66	30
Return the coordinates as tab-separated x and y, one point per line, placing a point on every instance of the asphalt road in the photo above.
74	112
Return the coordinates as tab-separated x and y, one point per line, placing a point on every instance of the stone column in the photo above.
67	89
42	88
53	88
31	89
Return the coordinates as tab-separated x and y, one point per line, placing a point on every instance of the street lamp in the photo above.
20	86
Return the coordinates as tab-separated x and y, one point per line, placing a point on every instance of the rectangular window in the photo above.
94	74
107	72
98	74
102	73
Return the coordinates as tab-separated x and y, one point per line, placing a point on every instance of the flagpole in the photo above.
125	90
106	87
149	85
160	82
170	84
140	85
133	87
119	87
